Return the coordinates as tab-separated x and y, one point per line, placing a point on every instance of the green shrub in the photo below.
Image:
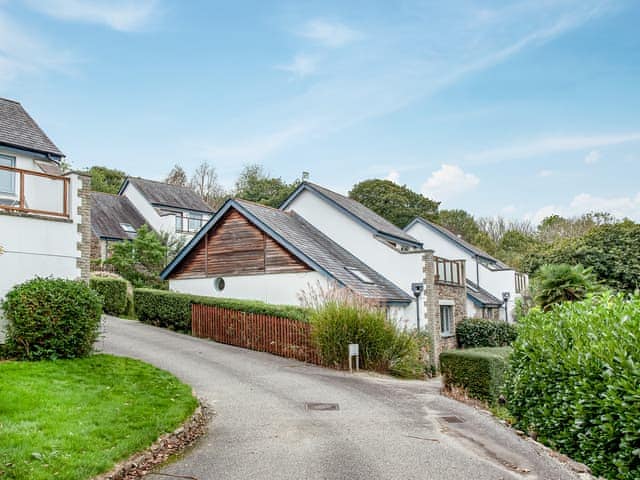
574	379
173	310
51	318
406	359
480	371
480	332
113	292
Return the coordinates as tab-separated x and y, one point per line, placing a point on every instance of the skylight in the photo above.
359	275
128	228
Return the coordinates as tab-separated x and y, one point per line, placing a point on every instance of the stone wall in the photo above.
434	293
84	227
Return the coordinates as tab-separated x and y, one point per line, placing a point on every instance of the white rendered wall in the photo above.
403	269
276	288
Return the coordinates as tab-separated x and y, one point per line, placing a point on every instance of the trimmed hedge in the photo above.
113	292
574	380
480	371
481	332
51	318
173	310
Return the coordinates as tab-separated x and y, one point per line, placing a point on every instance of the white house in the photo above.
489	280
255	252
44	213
167	208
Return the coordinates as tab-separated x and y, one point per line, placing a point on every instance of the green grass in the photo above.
74	419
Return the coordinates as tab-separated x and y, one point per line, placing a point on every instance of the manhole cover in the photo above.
323	407
452	419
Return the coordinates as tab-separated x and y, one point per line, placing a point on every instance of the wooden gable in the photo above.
236	247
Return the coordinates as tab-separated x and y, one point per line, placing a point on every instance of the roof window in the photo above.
359	275
127	227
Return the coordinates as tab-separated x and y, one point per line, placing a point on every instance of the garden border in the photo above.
141	463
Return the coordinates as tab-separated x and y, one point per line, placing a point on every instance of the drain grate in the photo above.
452	419
322	407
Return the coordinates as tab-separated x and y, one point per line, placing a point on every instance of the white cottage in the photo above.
44	212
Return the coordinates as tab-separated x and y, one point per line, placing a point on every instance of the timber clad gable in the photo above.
237	247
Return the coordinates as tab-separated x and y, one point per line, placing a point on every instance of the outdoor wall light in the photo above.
417	289
505	299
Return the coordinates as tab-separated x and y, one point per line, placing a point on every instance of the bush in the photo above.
173	310
480	332
574	380
113	292
557	283
480	371
51	318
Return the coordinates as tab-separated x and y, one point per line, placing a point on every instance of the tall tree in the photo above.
555	227
177	176
397	203
107	180
463	224
204	182
256	185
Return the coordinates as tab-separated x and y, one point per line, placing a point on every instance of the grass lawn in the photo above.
74	419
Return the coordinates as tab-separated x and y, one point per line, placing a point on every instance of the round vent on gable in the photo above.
219	284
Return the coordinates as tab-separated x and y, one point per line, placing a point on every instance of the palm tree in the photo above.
557	283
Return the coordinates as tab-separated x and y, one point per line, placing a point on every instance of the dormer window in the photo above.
128	228
359	275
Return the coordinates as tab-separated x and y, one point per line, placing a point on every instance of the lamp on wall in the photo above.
505	299
417	289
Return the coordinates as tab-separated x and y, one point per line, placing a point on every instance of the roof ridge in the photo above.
10	100
241	200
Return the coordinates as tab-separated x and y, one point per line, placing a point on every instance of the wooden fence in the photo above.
264	333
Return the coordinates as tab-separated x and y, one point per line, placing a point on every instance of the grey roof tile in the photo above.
165	194
109	211
482	296
326	253
18	129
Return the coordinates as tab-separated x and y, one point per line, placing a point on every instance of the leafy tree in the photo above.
177	176
463	224
254	184
555	227
514	246
397	203
611	251
497	227
107	180
174	244
140	260
204	182
557	283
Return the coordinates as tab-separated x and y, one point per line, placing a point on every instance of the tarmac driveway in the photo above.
384	428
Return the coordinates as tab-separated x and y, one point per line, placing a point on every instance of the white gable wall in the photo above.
494	281
400	268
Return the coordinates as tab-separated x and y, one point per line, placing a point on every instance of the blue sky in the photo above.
520	109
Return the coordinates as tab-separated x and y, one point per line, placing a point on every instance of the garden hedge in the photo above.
574	380
113	292
480	332
173	310
480	371
51	318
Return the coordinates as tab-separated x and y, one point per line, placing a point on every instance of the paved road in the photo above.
384	429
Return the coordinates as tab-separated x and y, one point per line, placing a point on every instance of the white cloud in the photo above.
448	182
393	175
24	52
329	34
545	173
624	206
592	157
124	15
301	66
509	209
549	145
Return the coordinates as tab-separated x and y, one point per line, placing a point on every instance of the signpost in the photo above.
354	351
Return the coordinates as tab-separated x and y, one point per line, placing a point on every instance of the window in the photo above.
7	179
446	320
179	222
195	222
359	275
127	227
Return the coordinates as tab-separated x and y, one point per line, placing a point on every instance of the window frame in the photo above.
10	175
446	307
196	217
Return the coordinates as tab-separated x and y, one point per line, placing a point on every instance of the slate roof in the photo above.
365	215
309	245
19	130
167	195
481	296
109	211
461	242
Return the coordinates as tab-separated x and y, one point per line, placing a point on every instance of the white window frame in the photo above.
197	218
10	175
449	306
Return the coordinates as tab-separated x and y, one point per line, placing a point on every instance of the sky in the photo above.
521	109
